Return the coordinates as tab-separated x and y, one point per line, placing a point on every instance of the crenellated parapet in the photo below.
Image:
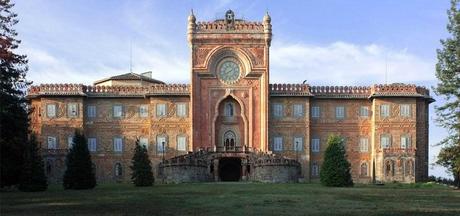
221	26
289	90
108	91
399	90
341	91
363	92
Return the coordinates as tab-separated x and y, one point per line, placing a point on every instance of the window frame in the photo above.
144	111
179	137
315	146
53	145
159	146
407	110
70	113
294	143
179	114
90	144
54	115
114	111
161	110
364	146
278	143
385	113
297	110
315	112
91	113
115	147
340	110
364	110
381	141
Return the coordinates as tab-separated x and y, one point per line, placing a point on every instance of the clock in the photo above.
229	71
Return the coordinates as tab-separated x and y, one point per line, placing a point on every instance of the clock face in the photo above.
229	71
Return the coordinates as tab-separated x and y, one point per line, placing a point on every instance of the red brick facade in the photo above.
221	113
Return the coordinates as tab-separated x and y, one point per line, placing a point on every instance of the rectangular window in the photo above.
143	141
72	110
404	110
181	143
298	110
92	144
340	112
298	143
181	109
315	169
144	111
161	144
364	144
52	142
278	110
51	110
117	111
315	145
315	112
161	110
118	144
91	110
384	110
405	142
385	141
70	141
278	144
364	111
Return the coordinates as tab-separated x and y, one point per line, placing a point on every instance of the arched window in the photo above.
118	170
364	169
389	168
229	109
229	140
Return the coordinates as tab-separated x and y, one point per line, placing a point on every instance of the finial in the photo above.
267	17
191	17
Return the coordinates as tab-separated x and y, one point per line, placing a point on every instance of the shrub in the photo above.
79	173
142	174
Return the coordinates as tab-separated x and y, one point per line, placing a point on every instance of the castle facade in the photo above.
230	123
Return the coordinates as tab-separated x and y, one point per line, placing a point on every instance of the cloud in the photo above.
343	63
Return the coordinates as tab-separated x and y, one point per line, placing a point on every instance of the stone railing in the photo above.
107	91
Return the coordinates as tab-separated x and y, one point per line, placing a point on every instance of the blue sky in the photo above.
325	42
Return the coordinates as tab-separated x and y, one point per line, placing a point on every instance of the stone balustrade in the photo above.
239	25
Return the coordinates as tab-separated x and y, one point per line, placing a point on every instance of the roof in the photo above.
130	76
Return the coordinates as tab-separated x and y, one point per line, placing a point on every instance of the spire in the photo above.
267	18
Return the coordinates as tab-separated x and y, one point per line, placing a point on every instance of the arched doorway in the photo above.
230	169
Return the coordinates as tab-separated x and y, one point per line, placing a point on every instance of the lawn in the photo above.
236	199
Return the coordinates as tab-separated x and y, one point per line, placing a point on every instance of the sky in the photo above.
325	42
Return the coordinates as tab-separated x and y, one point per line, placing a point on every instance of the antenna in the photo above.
130	56
386	68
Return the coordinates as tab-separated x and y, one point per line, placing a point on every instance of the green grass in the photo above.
236	199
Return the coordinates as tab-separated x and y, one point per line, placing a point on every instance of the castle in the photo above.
229	123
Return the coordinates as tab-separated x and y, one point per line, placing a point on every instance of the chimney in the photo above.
147	74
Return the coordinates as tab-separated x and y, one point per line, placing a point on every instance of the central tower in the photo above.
230	75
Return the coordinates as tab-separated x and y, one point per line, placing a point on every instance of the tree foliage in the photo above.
448	86
80	172
33	176
141	167
335	171
13	113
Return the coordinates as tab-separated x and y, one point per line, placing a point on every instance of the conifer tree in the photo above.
13	113
448	74
142	174
33	176
335	171
79	173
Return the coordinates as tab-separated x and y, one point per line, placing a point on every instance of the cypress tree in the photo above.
142	174
13	112
79	173
33	176
335	171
